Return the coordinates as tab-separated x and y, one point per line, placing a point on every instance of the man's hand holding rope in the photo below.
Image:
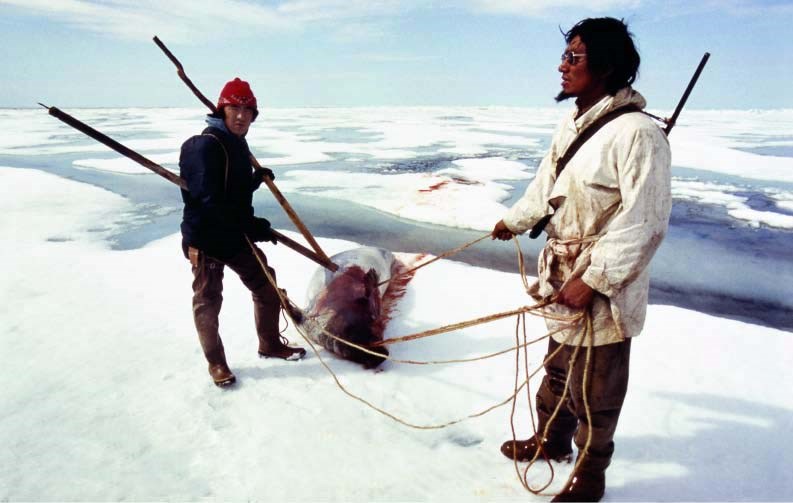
501	231
575	293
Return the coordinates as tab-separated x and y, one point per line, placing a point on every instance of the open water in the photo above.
728	251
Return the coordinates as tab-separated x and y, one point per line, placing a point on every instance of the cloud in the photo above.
307	11
393	58
346	21
533	8
670	9
178	20
355	32
184	20
748	7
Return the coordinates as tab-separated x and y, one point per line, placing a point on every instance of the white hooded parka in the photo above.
610	206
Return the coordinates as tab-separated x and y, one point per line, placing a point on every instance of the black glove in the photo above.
259	174
258	229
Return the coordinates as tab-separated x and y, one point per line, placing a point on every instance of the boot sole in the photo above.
567	458
559	458
225	383
291	358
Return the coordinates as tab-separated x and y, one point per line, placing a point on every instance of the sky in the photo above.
339	53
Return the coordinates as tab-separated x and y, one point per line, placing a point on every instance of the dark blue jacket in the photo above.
218	203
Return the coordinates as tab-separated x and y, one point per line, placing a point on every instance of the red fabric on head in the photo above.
237	92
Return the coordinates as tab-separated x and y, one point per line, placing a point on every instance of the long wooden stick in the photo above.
110	142
267	180
183	76
290	212
670	123
171	177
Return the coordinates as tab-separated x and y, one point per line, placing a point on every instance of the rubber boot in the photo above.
207	301
266	307
607	385
608	382
273	347
221	375
589	481
557	445
584	486
524	450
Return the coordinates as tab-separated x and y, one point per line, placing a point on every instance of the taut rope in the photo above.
520	314
526	309
442	255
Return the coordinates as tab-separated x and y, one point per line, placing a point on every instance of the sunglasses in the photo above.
572	58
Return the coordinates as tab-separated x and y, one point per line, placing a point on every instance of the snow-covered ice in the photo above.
105	392
315	149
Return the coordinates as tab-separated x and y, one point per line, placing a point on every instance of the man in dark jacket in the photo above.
218	215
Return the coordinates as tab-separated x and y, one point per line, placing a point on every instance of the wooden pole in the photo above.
110	142
290	212
183	76
267	180
173	178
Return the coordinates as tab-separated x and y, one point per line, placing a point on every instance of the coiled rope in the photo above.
520	313
585	336
352	395
448	328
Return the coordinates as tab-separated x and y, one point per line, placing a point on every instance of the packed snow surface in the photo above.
105	392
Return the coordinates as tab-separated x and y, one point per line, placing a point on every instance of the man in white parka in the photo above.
606	212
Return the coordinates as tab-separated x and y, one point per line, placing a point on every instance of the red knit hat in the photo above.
237	92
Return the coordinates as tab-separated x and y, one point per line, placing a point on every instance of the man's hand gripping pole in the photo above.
325	261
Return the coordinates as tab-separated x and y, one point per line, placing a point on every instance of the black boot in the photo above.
524	450
558	445
585	486
275	348
589	481
219	370
221	374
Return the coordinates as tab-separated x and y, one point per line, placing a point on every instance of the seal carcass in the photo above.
352	304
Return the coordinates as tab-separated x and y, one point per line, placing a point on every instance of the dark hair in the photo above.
220	114
610	52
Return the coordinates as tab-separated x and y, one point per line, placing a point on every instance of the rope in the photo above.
461	325
523	480
583	453
442	255
518	312
285	302
521	265
571	319
546	430
523	477
448	328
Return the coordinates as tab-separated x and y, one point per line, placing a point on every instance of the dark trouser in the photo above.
208	298
607	383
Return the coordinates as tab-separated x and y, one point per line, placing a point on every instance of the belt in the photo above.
576	249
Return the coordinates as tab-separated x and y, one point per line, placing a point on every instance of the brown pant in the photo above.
607	383
208	297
